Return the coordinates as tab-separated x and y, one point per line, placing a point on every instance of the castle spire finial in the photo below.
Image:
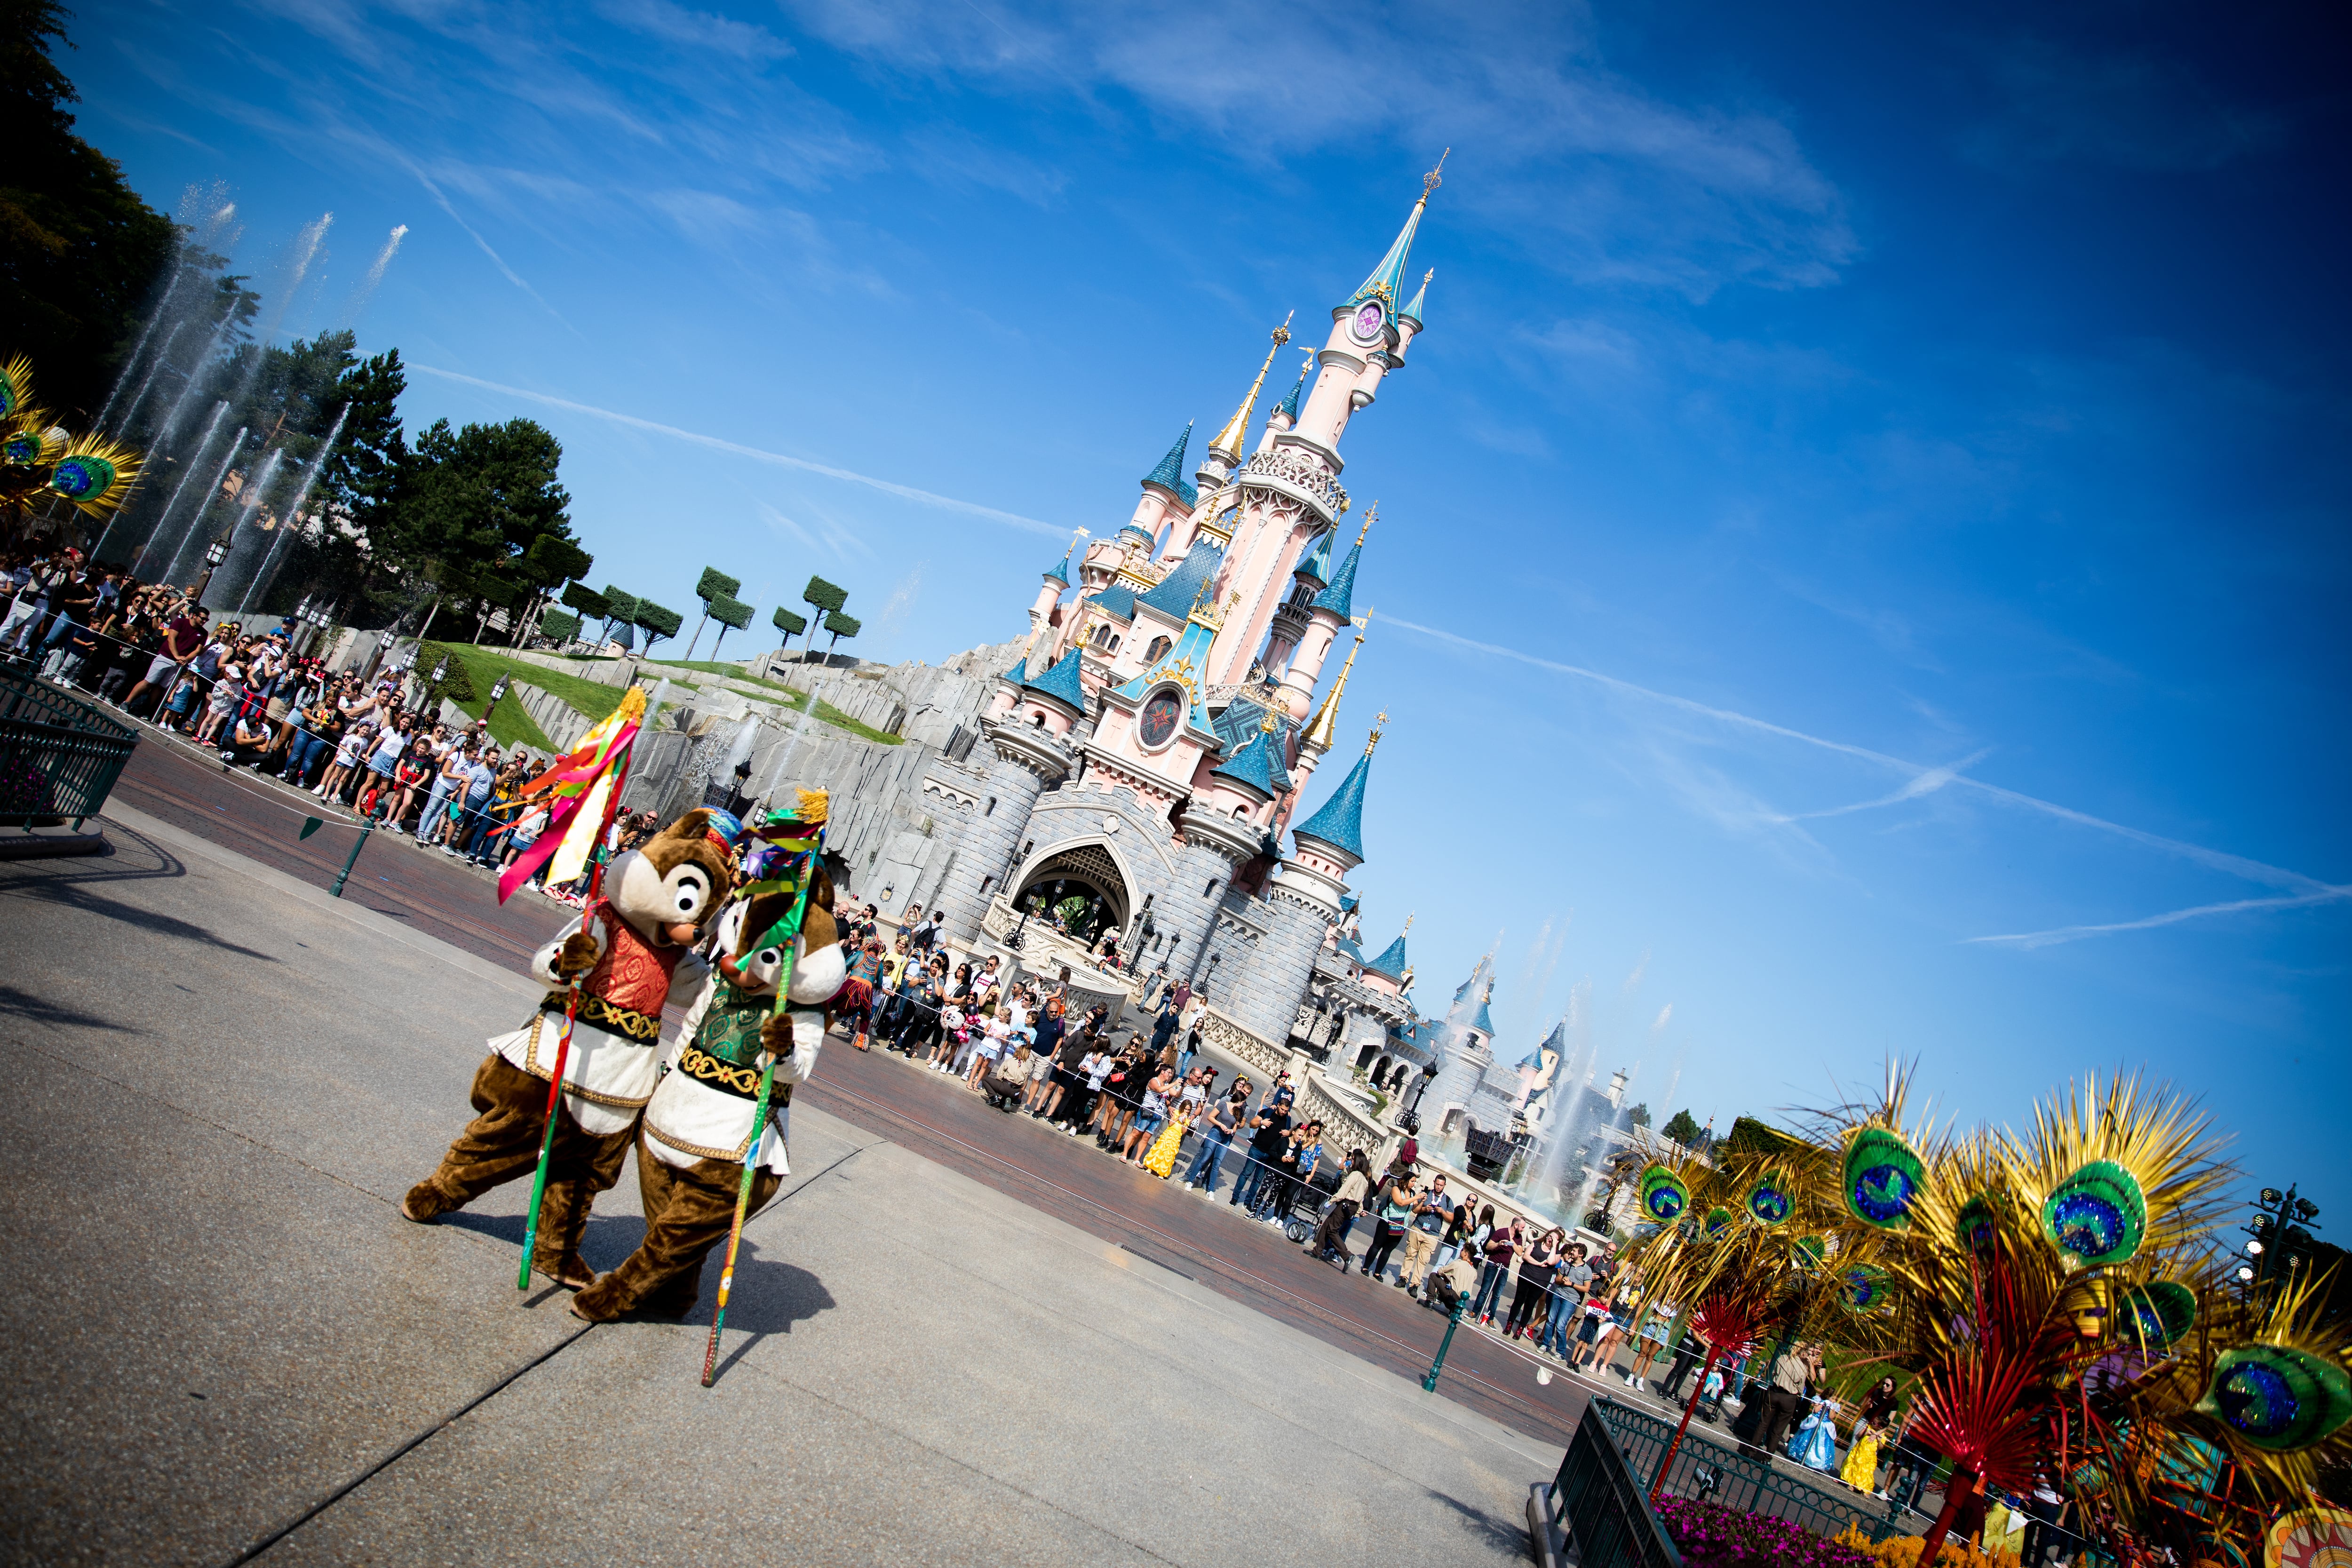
1324	729
1371	516
1237	431
1380	726
1436	177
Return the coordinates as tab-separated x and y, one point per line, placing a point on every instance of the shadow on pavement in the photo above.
768	1298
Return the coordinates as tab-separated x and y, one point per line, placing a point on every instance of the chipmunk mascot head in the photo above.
669	889
820	973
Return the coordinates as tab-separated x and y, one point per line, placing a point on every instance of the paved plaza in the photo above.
223	1342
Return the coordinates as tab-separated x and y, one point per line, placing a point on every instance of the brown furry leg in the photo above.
688	1213
581	1165
500	1144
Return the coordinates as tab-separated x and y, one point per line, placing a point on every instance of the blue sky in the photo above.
1862	557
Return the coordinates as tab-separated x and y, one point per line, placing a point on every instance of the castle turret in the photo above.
1289	492
1331	608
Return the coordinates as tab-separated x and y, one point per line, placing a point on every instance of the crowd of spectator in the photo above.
154	654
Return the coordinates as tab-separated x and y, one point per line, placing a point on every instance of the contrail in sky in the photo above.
757	454
2219	860
1925	780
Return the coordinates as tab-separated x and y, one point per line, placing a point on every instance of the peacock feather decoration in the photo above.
42	463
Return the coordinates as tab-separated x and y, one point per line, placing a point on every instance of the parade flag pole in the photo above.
588	783
788	930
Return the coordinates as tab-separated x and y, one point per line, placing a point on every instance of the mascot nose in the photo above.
682	934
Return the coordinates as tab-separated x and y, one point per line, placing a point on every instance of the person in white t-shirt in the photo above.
991	1046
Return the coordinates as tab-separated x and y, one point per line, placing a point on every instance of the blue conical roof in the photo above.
1317	563
1391	962
1173	594
1288	407
1257	764
1062	681
1340	821
1485	1022
1119	600
1387	282
1339	597
1169	473
1411	313
1059	572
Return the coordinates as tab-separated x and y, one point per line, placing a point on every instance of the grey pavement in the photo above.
222	1339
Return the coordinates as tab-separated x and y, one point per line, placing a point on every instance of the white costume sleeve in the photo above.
542	962
684	1032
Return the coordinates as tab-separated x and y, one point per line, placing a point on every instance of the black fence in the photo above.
1703	1468
1597	1504
58	757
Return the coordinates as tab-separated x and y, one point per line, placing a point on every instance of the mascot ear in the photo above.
818	926
691	828
820	892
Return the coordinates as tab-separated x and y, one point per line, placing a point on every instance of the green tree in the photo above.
80	254
730	613
841	626
559	627
825	597
1639	1116
1681	1129
478	500
591	604
792	623
713	586
655	623
621	613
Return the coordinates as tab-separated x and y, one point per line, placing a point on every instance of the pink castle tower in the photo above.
1148	750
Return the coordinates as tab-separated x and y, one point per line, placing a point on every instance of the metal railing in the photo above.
58	756
1598	1499
1703	1468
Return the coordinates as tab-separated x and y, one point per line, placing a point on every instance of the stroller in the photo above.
1304	1203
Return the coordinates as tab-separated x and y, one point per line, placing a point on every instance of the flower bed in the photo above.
1903	1551
1711	1536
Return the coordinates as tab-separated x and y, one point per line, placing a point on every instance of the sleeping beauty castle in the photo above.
1148	762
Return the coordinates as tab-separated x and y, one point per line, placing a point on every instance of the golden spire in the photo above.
1408	924
1237	431
1371	516
1374	738
1325	727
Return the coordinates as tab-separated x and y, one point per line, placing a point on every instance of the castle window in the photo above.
1037	718
1156	651
1210	891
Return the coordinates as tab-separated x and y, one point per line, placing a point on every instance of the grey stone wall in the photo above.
1265	962
993	828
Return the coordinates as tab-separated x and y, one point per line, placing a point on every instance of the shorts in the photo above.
161	665
1589	1330
381	767
1151	1122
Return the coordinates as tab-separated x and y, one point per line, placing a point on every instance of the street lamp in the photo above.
215	554
498	691
2279	1238
1411	1120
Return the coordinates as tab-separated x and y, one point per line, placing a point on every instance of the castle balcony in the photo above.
1289	473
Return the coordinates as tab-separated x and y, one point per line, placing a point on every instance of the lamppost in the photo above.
215	554
1410	1118
2280	1240
498	691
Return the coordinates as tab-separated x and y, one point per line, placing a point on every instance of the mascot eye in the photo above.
769	955
689	895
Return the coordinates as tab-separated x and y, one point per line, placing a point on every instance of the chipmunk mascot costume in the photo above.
698	1131
655	902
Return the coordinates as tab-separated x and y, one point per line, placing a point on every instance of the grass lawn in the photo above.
510	725
791	697
594	699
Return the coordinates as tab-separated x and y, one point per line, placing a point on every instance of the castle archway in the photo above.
1084	884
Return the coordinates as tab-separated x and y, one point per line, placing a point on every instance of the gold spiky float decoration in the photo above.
2055	1299
42	462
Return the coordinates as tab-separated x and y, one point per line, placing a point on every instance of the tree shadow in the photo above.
768	1298
1505	1536
23	1004
64	891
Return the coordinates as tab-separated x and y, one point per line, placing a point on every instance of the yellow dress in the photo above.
1161	1160
1860	1468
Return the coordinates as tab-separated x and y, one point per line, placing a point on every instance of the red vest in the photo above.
632	973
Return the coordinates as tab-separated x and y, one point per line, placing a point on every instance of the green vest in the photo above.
725	1051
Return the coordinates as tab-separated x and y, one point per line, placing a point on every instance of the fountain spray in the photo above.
219	474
